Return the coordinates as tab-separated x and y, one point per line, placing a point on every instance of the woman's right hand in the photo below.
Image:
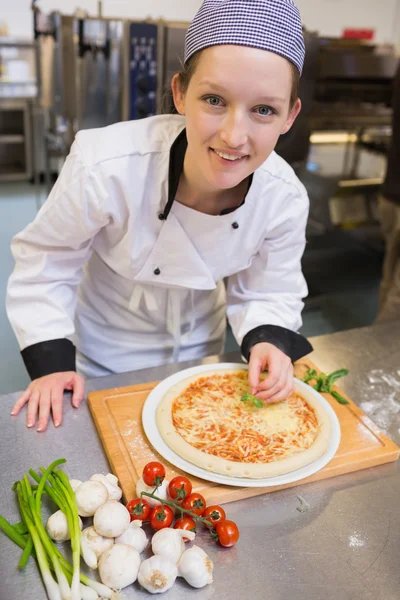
47	393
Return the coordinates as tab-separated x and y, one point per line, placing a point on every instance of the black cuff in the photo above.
291	343
49	357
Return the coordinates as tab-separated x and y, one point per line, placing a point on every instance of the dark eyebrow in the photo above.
263	99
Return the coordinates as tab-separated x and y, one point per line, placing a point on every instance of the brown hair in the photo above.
189	69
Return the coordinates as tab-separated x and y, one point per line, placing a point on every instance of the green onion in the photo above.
26	553
20	528
65	590
63	487
52	588
12	532
31	536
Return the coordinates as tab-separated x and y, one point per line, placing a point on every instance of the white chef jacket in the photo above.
99	267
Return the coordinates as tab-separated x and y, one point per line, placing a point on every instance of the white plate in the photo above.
155	439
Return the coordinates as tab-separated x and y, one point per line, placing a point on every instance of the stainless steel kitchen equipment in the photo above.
143	46
80	63
94	72
18	89
353	86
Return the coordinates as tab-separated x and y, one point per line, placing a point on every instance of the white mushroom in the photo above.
93	545
119	566
75	483
114	492
90	495
111	519
112	478
57	527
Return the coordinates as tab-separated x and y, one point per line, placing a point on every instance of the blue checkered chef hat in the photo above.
273	25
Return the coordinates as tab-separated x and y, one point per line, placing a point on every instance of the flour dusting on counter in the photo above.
384	406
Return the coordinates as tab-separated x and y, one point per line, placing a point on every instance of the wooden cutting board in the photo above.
117	414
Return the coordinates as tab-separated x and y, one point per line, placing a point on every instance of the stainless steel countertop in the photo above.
345	547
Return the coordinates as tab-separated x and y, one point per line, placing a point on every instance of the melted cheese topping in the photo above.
210	416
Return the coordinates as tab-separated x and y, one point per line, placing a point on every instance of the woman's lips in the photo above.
227	161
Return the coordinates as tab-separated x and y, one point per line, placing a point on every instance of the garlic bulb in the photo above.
93	545
134	536
169	542
161	492
114	492
196	567
57	527
157	574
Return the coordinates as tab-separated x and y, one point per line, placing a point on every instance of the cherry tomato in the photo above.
228	533
215	514
153	473
161	516
139	509
195	503
179	488
185	523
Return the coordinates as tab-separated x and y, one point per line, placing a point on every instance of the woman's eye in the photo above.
213	100
264	111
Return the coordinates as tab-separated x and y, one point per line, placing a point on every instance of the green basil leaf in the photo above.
246	398
339	398
317	386
337	375
311	374
258	403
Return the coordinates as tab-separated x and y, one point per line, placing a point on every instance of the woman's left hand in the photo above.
278	384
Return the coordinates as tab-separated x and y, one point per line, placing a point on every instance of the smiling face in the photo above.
237	105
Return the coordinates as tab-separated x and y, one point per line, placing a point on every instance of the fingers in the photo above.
281	395
79	391
57	398
44	408
278	366
46	394
254	373
22	400
281	390
33	407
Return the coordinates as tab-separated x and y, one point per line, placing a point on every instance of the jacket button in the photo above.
157	271
161	216
235	225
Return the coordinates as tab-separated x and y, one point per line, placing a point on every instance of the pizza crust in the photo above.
236	469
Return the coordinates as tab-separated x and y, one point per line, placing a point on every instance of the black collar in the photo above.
176	159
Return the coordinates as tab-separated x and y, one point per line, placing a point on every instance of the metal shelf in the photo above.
12	138
13	173
15	140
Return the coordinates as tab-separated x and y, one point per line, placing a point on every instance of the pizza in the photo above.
203	420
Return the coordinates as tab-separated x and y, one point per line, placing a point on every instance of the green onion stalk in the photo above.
31	536
52	588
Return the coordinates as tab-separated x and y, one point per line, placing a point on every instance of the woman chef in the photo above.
124	264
